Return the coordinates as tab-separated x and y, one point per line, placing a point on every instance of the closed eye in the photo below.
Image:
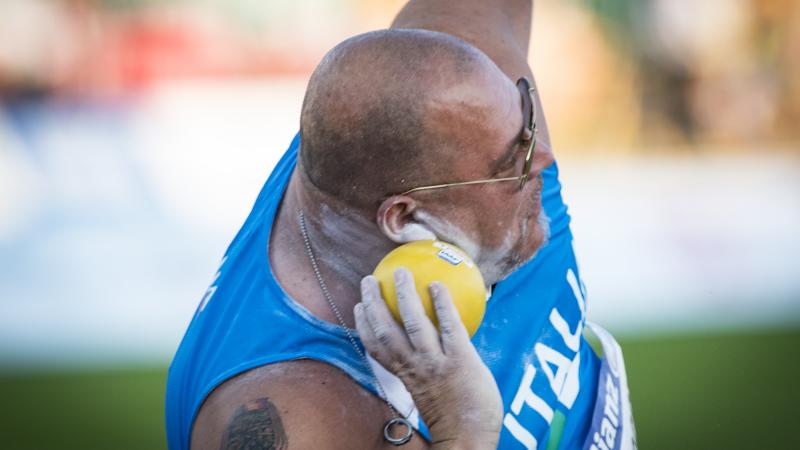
510	158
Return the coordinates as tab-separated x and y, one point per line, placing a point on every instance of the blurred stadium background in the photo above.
135	134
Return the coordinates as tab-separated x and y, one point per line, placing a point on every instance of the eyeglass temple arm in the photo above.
462	183
528	111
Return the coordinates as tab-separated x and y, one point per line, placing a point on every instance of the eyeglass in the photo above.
528	134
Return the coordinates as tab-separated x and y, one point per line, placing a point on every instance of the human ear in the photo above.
396	220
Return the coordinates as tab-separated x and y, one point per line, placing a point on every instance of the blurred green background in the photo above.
727	390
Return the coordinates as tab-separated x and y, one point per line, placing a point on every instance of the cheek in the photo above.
495	221
500	222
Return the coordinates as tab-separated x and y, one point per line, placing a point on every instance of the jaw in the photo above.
497	264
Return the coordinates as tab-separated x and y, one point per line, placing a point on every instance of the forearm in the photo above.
516	13
500	28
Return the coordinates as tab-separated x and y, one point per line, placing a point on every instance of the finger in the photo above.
371	343
418	326
453	334
383	326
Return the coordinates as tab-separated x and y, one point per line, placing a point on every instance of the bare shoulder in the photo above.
293	405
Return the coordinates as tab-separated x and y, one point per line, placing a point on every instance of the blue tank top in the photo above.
531	337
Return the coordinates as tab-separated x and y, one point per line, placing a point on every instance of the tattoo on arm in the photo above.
256	425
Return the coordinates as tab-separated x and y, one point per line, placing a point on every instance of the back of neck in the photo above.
345	244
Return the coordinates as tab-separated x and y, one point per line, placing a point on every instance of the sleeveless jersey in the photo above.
531	338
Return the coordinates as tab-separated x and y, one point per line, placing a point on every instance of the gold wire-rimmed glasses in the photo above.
528	134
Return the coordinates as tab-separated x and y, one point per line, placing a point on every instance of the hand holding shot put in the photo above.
452	388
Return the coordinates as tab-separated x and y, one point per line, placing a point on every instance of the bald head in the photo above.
386	110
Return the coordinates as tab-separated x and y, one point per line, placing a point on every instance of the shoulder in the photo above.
292	405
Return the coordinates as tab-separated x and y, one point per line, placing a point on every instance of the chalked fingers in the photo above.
418	326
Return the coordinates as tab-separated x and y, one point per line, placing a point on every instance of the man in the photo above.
427	130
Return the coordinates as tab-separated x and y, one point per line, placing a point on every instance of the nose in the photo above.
542	157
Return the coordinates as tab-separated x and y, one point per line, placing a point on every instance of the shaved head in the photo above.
393	110
387	110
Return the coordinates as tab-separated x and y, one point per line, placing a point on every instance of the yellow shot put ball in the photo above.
431	261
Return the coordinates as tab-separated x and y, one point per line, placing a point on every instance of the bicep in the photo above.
295	405
256	423
500	28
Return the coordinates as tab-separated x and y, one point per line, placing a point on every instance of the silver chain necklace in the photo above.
396	419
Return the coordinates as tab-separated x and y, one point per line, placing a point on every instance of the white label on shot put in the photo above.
451	256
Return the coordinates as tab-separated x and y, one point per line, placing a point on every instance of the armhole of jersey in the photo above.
593	340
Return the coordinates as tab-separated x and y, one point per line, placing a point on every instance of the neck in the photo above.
345	244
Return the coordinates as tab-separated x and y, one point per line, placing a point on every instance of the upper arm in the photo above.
500	28
293	405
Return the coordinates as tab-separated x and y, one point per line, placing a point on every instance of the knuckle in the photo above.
382	335
402	294
374	353
398	367
438	371
401	365
444	321
426	371
412	326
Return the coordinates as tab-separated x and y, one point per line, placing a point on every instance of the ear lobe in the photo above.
396	220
